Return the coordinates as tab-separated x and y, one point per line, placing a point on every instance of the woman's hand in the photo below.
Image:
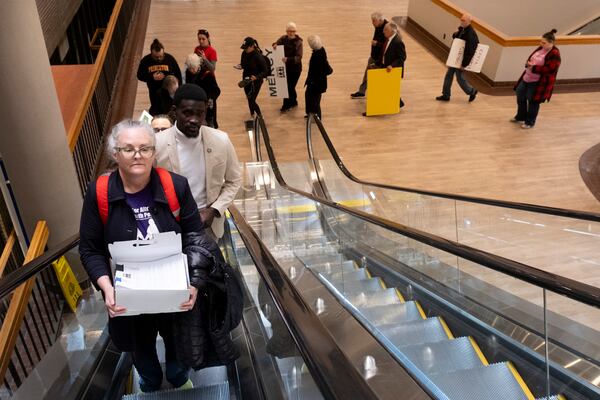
188	305
109	297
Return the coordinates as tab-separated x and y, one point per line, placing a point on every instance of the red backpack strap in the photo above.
102	197
166	181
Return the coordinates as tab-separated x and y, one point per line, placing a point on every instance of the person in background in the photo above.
377	44
254	70
205	156
467	33
134	187
153	69
206	79
166	93
536	83
316	80
205	50
161	122
292	50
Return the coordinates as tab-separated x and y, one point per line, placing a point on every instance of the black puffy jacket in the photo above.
121	225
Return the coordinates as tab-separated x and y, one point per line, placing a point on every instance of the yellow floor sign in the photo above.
68	283
383	91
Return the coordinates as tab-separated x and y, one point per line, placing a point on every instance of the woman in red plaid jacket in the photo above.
537	81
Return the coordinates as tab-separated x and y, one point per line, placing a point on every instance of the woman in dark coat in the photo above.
316	80
536	83
254	70
205	78
133	187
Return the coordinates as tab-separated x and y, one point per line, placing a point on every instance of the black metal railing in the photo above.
85	140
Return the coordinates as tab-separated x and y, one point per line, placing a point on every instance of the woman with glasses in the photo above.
138	209
205	50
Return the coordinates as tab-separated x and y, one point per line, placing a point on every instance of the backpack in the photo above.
166	181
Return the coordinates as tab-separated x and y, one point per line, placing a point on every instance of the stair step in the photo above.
387	296
496	381
347	276
352	288
333	267
213	392
392	313
444	356
429	330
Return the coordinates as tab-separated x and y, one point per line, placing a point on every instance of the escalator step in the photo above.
387	296
444	356
212	392
496	381
346	276
555	397
415	332
392	313
352	288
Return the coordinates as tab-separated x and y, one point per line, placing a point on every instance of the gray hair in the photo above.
290	25
393	26
113	138
314	42
377	15
193	60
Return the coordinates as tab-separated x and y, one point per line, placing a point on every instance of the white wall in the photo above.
506	63
532	17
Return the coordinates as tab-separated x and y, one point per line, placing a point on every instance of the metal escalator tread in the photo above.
387	296
212	392
392	313
332	266
415	332
555	397
351	288
345	276
495	381
444	356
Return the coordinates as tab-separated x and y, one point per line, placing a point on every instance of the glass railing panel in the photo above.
281	367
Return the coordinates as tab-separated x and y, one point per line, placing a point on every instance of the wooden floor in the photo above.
456	147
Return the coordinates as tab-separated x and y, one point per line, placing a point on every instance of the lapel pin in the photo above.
209	150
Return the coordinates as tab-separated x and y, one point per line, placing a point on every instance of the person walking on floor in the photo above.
292	48
316	80
377	44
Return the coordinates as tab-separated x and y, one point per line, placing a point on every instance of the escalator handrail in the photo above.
16	278
573	289
330	368
561	212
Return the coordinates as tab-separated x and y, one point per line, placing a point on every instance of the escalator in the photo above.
456	330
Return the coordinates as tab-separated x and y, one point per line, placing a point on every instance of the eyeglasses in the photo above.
130	152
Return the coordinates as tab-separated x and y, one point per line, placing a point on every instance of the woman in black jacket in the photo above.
255	69
136	207
316	80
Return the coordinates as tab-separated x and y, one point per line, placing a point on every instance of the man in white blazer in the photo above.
205	156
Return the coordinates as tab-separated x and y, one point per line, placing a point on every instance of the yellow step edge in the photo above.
368	273
446	329
399	295
356	267
484	360
382	283
420	310
520	381
561	397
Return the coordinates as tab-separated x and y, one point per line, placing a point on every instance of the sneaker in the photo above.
364	114
473	95
516	121
357	95
526	126
187	385
443	98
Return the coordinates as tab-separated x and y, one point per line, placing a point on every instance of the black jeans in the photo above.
527	109
312	98
252	91
145	358
293	74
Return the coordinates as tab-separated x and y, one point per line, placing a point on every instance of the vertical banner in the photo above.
277	79
457	51
383	91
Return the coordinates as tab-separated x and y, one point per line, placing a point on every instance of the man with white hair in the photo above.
292	50
377	44
466	33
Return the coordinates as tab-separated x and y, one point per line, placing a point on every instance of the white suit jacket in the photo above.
223	175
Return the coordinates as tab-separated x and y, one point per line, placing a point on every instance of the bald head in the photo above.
465	20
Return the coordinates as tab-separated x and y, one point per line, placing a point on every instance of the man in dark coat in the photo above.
468	34
394	51
377	44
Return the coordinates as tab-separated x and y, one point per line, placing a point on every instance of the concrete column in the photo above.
33	141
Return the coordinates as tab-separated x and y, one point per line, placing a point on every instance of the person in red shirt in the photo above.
205	50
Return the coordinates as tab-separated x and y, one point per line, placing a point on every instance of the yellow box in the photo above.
383	91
